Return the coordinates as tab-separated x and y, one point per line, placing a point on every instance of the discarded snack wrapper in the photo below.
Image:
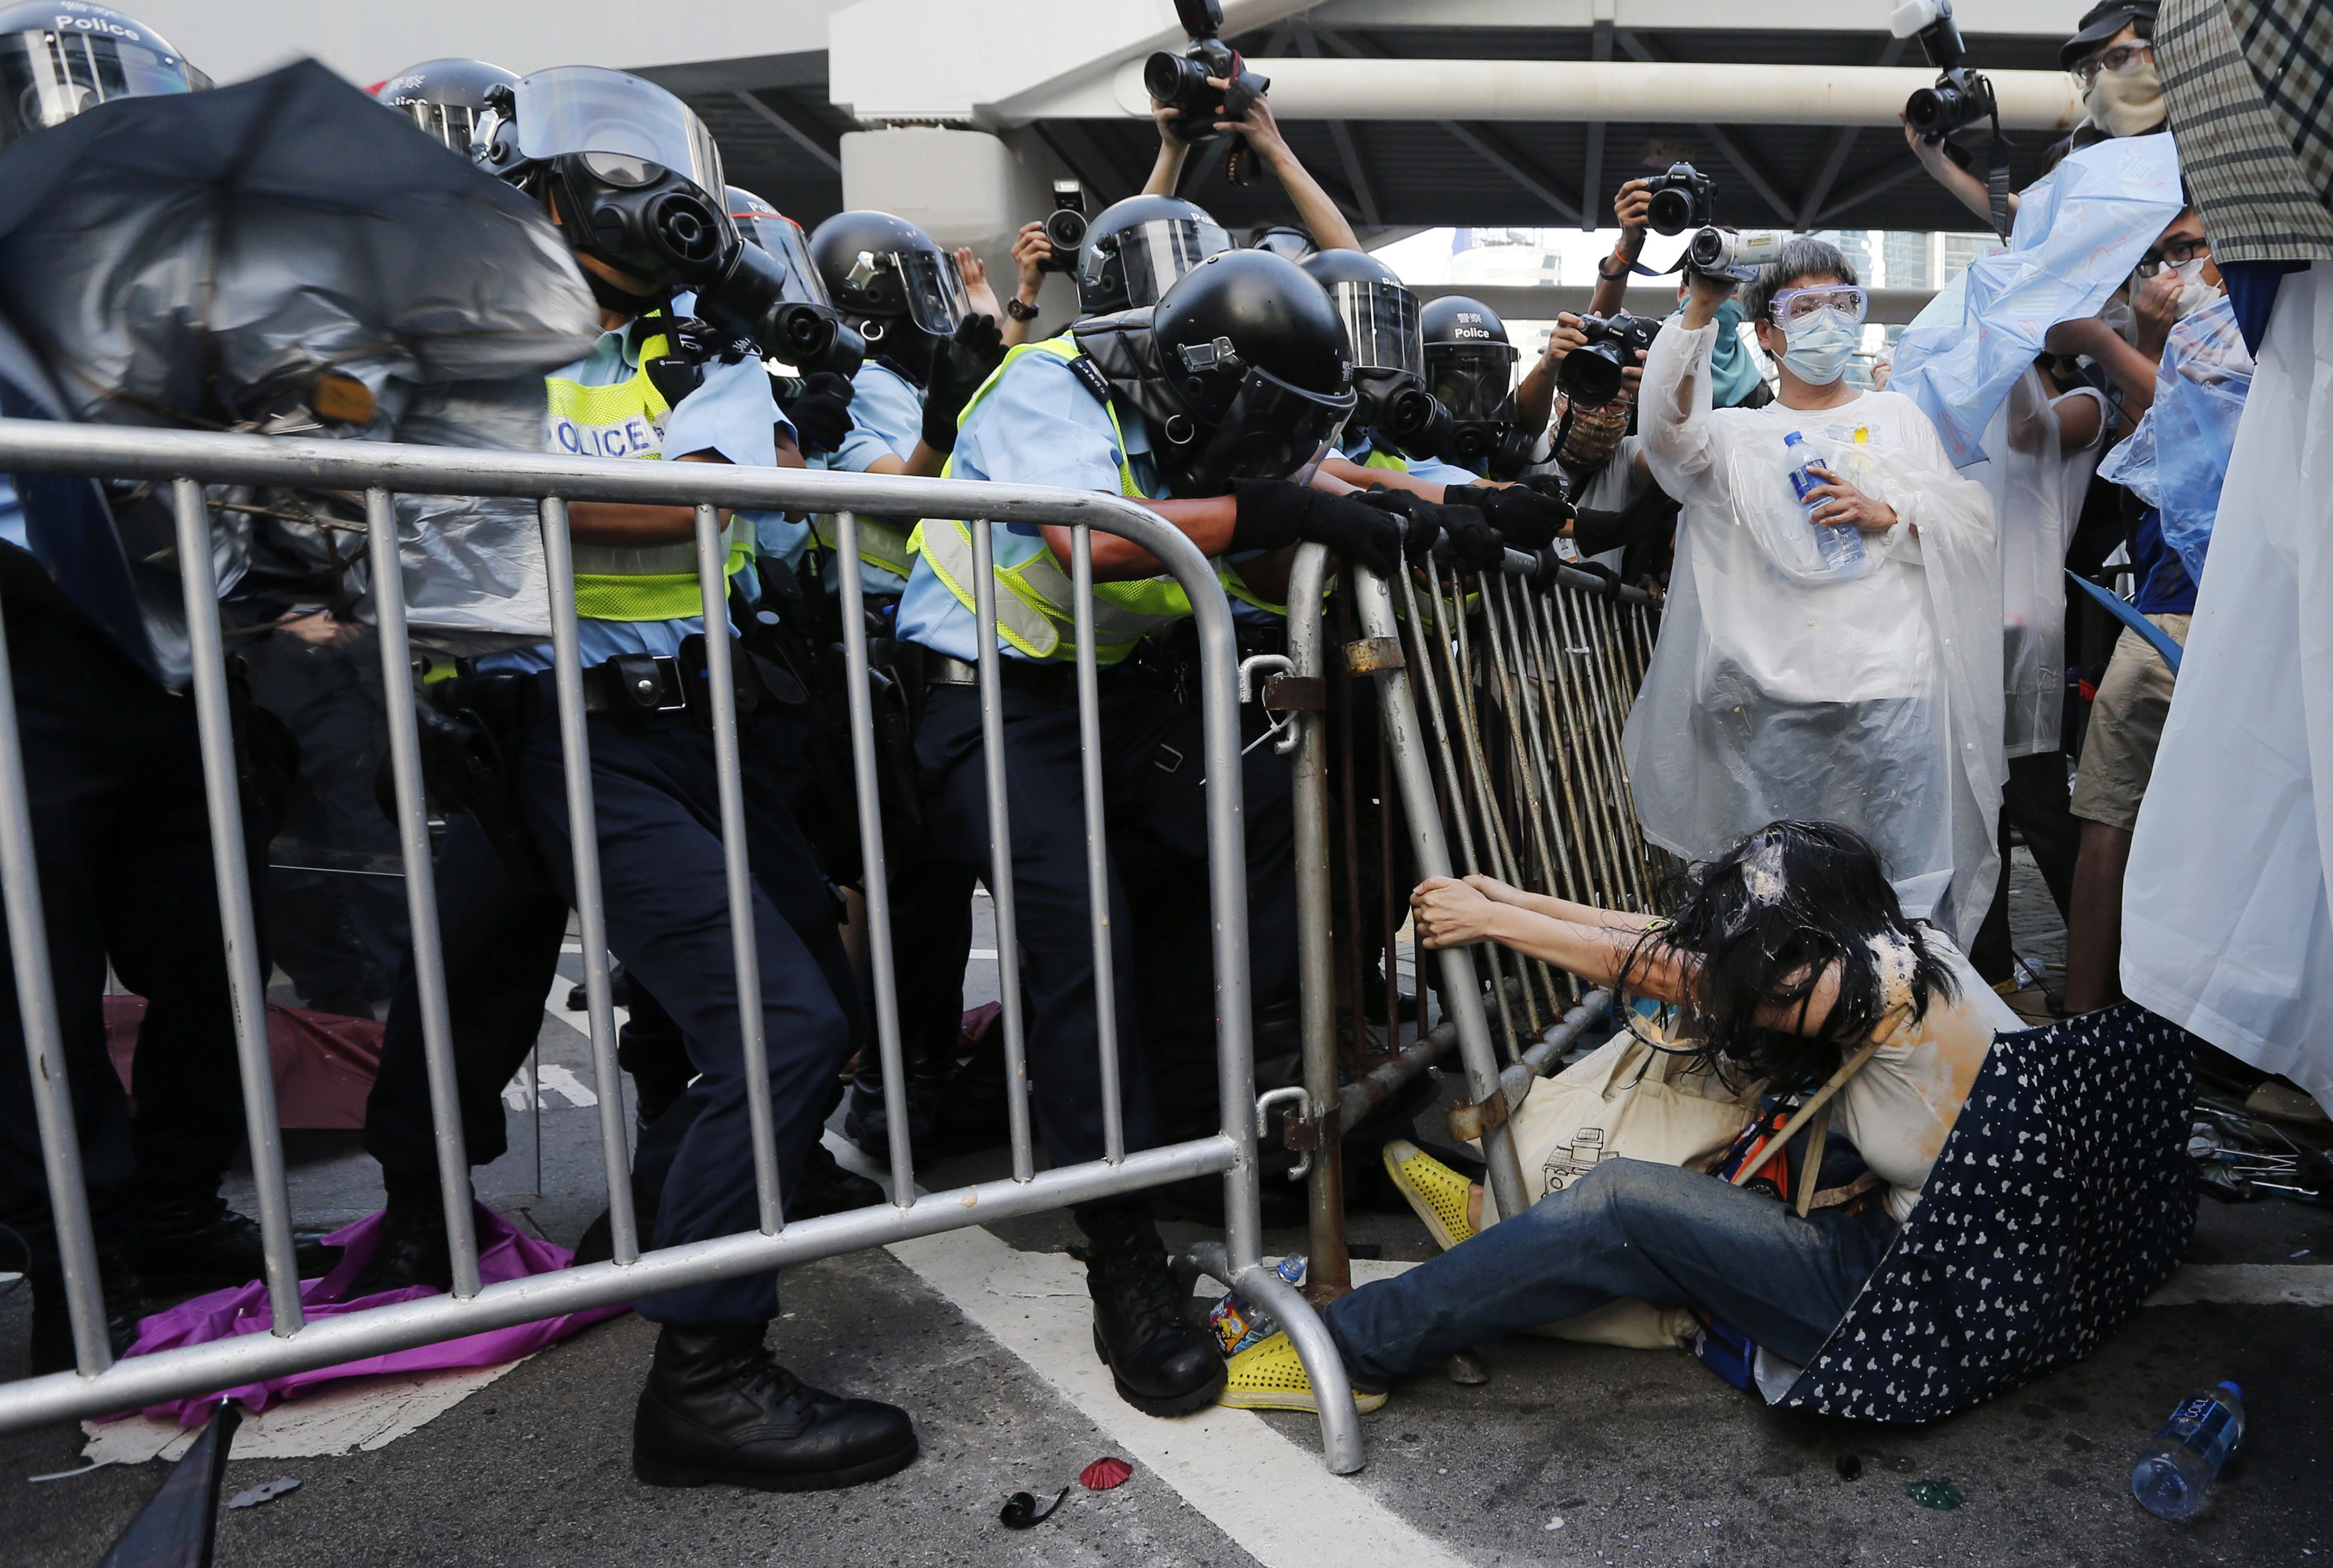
1019	1510
1103	1474
1940	1495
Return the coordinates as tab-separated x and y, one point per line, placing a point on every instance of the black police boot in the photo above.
192	1243
1163	1365
52	1348
717	1408
826	1188
412	1247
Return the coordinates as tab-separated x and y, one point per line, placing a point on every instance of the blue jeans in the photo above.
1659	1233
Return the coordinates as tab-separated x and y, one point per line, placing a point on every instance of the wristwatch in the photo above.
1019	311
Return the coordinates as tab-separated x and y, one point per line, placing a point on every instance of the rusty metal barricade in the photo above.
186	462
1500	710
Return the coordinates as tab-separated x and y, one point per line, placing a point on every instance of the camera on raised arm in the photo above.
1065	227
1682	198
1590	373
1181	81
1960	97
1727	254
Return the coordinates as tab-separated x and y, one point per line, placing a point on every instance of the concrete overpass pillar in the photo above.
963	187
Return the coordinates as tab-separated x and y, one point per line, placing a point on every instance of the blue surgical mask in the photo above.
1819	348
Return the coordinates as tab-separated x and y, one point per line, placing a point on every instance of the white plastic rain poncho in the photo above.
2225	924
1870	696
2037	488
2177	458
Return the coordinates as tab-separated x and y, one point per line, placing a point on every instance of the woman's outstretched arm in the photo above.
1454	914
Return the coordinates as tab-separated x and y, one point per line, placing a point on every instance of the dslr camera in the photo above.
1591	373
1683	199
1180	80
1960	97
1065	227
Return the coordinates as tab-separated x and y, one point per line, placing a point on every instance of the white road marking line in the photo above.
1272	1498
987	953
551	1080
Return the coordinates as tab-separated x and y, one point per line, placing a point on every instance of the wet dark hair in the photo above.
1762	921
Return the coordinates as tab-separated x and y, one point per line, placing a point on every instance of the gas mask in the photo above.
2125	103
641	218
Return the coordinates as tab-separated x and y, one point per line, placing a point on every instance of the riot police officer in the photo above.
604	149
1216	443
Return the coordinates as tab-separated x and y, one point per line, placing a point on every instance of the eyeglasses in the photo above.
1793	306
2176	253
2121	59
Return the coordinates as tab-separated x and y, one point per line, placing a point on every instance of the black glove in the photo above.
1526	517
1275	514
959	365
820	411
1422	516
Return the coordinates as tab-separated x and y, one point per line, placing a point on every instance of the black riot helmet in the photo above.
1381	322
627	170
775	296
1259	375
1469	366
60	57
447	98
1136	249
891	281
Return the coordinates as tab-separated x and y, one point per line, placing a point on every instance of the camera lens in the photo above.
1671	210
1066	229
1927	108
1591	375
1163	75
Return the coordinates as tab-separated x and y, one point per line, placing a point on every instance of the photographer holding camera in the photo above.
2111	57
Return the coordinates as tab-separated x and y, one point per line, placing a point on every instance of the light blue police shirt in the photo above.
1357	445
12	515
731	412
1037	425
887	420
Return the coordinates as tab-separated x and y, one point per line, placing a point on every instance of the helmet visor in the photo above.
1471	378
1153	254
585	108
937	300
1271	430
454	124
1381	319
782	238
47	78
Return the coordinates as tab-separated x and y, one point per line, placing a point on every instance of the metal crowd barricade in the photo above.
1515	753
190	461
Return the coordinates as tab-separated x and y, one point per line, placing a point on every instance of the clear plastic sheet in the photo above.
2037	488
2225	923
2177	458
2079	232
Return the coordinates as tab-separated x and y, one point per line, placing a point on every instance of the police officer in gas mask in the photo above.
1396	441
1213	410
1137	249
631	178
118	826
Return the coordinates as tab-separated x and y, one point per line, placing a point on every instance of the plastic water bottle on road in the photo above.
2174	1469
1841	544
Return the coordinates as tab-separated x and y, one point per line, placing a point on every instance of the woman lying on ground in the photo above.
1788	954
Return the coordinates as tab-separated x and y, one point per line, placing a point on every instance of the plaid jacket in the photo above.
2249	84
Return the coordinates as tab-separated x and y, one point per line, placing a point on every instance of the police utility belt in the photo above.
1054	683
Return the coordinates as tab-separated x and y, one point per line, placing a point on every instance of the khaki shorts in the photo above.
2125	727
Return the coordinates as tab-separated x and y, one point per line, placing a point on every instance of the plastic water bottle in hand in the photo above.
2175	1468
1840	544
